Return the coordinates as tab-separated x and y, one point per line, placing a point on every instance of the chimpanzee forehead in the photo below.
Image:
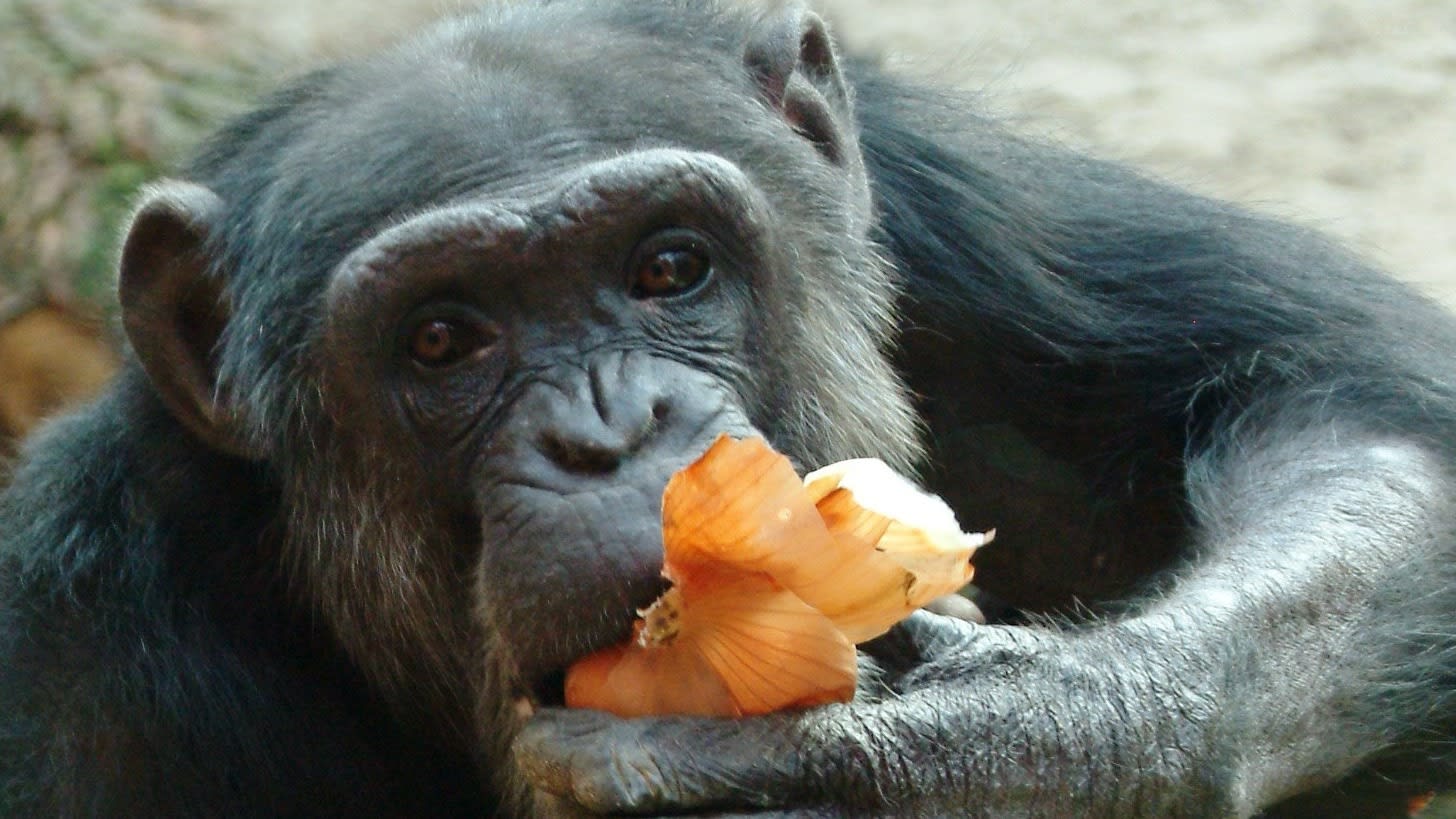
481	106
494	105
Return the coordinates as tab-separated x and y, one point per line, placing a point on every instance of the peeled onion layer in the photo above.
775	578
899	547
739	644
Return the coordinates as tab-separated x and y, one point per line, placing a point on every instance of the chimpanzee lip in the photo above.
541	680
550	690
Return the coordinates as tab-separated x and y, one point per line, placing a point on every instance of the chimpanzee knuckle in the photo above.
939	635
921	637
800	813
594	761
608	765
545	751
956	653
843	754
752	762
631	779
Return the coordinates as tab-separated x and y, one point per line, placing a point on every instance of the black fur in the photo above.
1217	449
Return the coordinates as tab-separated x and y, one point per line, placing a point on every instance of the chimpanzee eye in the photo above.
441	341
668	268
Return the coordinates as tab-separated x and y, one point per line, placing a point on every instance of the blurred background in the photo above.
1336	113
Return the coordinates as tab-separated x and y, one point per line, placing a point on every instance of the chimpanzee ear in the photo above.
174	310
792	57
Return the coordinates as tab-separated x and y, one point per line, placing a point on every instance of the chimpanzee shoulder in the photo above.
184	641
1123	314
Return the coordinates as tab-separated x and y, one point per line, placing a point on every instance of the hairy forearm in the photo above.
1027	721
1256	674
1251	665
1320	550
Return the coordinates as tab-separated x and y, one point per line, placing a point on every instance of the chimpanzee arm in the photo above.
1257	676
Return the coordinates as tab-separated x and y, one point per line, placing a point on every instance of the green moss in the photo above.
108	150
95	281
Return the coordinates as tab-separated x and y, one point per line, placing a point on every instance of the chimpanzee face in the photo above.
546	362
512	294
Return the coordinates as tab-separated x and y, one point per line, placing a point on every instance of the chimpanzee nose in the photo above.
601	418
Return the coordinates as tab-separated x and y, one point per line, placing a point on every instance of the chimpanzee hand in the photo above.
952	718
1218	698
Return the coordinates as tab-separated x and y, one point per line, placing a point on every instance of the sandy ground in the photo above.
1337	113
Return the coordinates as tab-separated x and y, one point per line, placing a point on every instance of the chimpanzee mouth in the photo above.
550	690
547	688
602	612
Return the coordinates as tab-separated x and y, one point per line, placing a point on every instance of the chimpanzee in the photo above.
419	341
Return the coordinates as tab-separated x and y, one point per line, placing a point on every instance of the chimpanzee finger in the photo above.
922	637
642	766
786	760
547	805
958	606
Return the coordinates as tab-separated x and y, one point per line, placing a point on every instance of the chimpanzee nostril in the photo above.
593	421
583	456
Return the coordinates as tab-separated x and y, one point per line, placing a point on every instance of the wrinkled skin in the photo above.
416	346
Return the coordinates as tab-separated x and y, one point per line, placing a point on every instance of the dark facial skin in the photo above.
554	366
521	346
417	345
